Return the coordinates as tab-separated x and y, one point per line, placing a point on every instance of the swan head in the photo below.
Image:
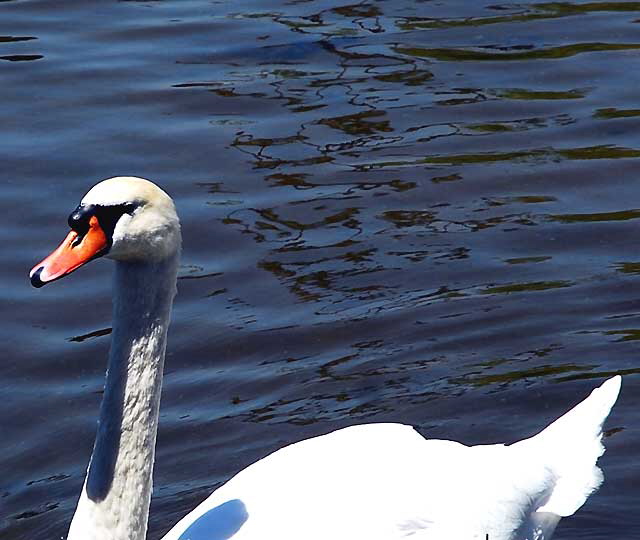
124	218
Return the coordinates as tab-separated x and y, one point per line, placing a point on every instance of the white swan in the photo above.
366	482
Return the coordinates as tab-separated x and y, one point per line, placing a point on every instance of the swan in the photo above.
366	482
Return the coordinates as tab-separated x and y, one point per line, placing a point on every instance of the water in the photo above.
414	211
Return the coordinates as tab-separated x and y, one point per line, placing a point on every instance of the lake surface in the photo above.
414	211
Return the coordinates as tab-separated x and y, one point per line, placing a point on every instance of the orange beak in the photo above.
74	251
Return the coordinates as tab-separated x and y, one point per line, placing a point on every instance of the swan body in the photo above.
387	482
366	482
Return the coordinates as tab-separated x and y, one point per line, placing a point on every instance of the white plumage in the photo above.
386	482
365	482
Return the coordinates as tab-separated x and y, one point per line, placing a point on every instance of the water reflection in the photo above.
565	51
21	57
521	14
13	39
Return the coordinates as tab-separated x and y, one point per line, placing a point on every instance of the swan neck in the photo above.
114	503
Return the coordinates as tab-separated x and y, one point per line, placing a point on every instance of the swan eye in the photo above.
108	216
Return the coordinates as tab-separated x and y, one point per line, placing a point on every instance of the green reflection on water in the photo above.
628	267
488	157
419	24
536	154
358	10
604	151
490	128
546	10
589	152
629	334
362	123
526	287
534	199
523	93
612	112
466	55
569	8
622	215
410	78
511	376
448	178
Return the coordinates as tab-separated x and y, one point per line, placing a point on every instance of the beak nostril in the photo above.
78	240
35	278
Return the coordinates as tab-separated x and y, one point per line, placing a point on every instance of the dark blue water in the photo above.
416	211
